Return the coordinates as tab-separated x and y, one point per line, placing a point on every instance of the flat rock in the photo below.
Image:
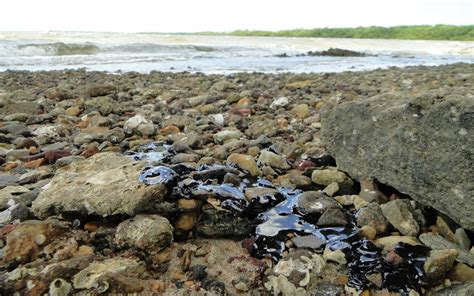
388	243
274	160
421	145
105	184
244	162
309	241
7	180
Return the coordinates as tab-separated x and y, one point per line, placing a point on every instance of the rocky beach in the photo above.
351	183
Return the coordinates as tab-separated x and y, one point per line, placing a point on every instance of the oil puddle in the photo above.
273	211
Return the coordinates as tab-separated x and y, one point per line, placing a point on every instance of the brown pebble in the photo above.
84	250
34	163
189	204
394	258
90	151
52	156
169	129
32	150
10	166
368	232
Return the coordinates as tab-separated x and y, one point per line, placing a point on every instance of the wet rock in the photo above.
438	263
273	160
399	214
145	232
94	275
403	135
105	184
315	203
437	242
388	243
309	242
332	217
326	177
139	124
244	162
27	240
372	215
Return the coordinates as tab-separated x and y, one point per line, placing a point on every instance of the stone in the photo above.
105	184
301	111
465	289
437	242
370	192
372	215
7	180
461	273
91	276
98	90
279	102
368	232
438	263
139	124
444	229
26	143
187	221
388	243
72	111
226	135
105	105
52	156
418	144
309	242
325	177
244	162
337	256
28	238
331	189
315	203
461	238
145	232
64	161
273	160
10	192
399	213
332	217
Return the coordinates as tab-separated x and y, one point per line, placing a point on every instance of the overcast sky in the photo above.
220	15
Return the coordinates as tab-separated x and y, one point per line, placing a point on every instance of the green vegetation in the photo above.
424	32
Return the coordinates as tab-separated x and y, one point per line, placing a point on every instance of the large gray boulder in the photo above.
423	146
105	184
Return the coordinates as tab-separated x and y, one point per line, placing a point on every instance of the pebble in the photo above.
309	242
372	215
145	232
399	213
388	243
226	135
273	160
438	263
325	177
245	162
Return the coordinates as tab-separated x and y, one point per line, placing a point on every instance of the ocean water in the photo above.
145	52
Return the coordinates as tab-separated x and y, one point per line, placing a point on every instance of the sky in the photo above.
219	15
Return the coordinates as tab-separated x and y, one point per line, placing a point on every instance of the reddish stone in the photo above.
245	111
10	166
394	258
89	151
35	163
7	229
305	164
52	156
169	129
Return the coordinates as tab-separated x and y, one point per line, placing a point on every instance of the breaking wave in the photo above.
65	49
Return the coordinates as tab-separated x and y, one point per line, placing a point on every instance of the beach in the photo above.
242	183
